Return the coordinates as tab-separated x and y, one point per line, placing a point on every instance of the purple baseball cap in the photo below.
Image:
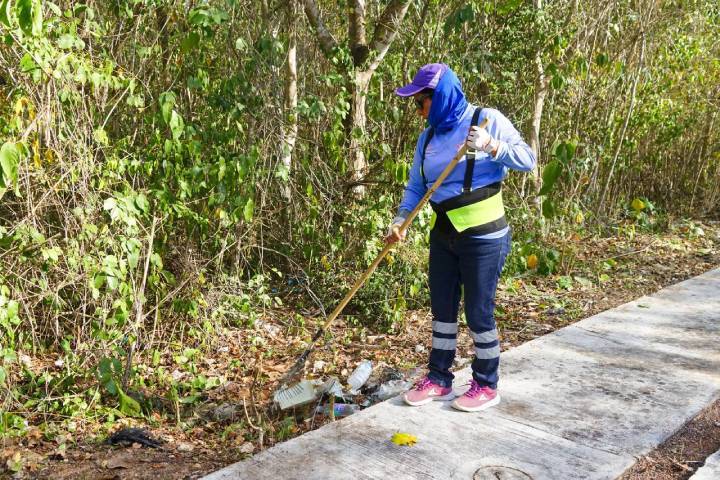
427	77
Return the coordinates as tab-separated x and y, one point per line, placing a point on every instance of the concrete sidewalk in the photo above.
581	403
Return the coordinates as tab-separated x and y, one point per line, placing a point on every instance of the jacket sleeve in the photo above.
512	152
416	187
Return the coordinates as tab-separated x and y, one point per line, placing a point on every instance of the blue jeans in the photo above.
473	265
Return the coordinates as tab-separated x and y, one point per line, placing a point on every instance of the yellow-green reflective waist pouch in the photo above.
478	212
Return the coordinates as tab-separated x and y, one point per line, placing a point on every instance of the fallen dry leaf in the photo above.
246	447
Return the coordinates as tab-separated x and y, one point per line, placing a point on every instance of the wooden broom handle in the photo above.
360	281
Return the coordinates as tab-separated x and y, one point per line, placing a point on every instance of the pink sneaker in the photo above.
477	398
425	391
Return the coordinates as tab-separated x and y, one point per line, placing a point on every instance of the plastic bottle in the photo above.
341	409
358	377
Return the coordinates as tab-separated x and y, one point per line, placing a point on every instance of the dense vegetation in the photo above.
169	168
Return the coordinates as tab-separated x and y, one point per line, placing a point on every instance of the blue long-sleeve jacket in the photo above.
512	152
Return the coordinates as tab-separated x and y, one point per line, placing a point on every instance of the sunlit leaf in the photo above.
109	204
249	210
101	136
5	12
128	405
68	41
324	261
23	9
565	151
404	439
167	103
550	174
177	125
30	17
9	157
532	261
637	205
141	202
37	159
241	44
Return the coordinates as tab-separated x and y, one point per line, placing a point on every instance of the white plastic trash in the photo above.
297	394
391	389
359	376
332	387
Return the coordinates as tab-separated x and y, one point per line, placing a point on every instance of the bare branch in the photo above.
325	39
386	29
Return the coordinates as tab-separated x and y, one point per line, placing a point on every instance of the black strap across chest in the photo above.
469	156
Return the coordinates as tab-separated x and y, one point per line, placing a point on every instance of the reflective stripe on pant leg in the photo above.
487	353
485	337
445	327
486	344
444	343
444	335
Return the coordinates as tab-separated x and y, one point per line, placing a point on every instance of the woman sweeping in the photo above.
469	237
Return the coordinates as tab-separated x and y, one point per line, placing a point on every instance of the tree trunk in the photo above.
358	119
541	88
366	59
290	126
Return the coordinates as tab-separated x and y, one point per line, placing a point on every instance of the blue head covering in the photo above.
448	103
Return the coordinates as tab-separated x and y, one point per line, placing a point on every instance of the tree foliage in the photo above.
143	195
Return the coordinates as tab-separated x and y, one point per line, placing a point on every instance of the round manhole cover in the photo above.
493	472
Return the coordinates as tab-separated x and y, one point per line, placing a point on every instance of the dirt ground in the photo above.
230	424
682	454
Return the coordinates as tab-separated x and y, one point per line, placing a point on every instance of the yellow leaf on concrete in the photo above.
404	439
532	261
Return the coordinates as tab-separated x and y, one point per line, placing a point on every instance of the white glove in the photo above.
480	139
394	234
